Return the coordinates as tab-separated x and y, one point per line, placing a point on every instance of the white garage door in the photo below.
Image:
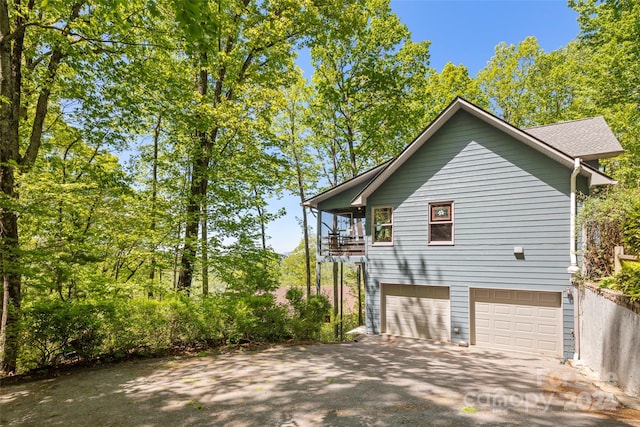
518	320
417	311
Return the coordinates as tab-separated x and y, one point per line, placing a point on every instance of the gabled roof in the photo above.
588	139
595	177
375	177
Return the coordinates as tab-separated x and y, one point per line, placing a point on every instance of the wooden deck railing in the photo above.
619	255
340	245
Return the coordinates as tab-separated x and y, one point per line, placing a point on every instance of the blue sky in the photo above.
463	32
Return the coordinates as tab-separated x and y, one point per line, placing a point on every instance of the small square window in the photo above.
441	223
382	225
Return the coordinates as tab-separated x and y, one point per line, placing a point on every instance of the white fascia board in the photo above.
357	180
361	199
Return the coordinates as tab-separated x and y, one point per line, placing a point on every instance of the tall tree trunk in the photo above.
197	191
154	202
10	90
305	221
204	247
263	231
11	59
11	298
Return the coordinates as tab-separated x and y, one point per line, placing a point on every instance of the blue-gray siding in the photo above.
505	193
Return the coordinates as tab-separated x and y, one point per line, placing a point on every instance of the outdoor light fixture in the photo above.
518	251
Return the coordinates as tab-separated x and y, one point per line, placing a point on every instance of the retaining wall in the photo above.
610	336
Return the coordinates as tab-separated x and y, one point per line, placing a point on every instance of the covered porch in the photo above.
342	235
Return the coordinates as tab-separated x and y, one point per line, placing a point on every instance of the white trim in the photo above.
358	179
452	221
373	226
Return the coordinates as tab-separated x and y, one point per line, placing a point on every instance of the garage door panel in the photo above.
518	320
524	327
502	339
502	310
547	313
483	323
524	311
502	295
550	299
417	311
547	345
502	325
549	330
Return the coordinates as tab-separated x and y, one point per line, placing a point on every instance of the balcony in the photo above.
342	245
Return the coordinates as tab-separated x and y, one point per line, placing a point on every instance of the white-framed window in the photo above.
441	223
382	224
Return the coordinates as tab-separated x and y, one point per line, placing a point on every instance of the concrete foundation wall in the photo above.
610	337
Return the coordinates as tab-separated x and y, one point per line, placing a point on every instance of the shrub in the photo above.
253	318
628	282
308	315
631	233
56	329
608	218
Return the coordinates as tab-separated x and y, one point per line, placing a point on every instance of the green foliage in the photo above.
57	331
627	281
253	318
247	269
631	233
609	34
348	323
441	88
604	217
367	103
308	314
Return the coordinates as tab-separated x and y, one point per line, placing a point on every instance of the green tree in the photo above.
303	172
366	105
242	53
441	88
507	81
609	34
45	48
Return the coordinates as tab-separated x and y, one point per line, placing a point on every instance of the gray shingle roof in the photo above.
587	138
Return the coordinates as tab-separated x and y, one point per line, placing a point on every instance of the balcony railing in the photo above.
341	245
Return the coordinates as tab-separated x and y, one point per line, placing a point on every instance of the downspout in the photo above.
573	268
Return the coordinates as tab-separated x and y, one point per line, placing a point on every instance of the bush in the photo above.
56	330
308	315
608	219
628	280
631	233
253	318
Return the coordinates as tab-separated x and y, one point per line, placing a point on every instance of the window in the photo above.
382	225
441	223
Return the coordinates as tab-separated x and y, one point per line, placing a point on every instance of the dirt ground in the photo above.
376	381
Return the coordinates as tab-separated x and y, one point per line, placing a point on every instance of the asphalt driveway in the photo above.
377	381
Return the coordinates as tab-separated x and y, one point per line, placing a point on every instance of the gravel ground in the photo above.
376	381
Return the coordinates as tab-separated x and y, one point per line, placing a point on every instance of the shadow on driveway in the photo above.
377	381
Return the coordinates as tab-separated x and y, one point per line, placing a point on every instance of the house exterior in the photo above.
466	235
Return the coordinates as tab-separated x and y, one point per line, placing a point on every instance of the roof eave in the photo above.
331	192
600	156
443	117
439	121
